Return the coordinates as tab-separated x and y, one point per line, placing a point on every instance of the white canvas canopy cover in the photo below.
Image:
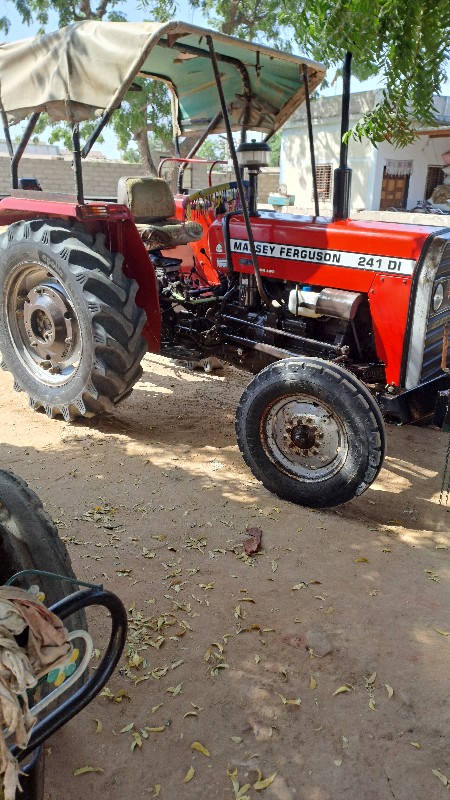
84	70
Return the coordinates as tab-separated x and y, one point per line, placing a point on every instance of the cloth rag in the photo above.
21	667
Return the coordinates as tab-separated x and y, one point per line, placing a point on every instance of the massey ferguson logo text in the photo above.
338	258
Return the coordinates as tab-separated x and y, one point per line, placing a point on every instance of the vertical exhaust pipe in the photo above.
343	174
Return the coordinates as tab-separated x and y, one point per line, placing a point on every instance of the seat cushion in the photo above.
169	233
149	199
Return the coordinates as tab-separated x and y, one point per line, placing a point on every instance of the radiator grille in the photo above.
434	334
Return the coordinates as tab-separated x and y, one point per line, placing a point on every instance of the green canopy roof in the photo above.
81	71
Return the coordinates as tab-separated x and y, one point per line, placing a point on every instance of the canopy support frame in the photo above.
32	122
238	174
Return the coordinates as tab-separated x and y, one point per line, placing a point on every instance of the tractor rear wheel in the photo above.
311	432
70	329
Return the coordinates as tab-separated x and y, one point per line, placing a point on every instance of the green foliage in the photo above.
406	42
275	149
147	110
248	19
131	155
212	150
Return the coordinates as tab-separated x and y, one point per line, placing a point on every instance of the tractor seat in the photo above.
153	208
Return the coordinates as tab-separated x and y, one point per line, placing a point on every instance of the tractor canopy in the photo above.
83	71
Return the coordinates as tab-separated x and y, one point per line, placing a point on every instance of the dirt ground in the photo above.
323	659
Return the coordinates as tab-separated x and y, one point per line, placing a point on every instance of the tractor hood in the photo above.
84	70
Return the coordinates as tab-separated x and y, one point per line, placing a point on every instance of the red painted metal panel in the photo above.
386	247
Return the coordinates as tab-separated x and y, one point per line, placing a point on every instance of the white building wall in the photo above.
295	166
367	163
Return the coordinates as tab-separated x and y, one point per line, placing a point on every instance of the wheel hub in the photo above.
48	323
304	437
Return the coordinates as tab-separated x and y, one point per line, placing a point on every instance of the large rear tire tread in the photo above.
113	341
355	408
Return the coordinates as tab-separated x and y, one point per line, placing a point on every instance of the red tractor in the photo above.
339	319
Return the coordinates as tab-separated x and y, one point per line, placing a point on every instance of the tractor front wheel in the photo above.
70	330
311	432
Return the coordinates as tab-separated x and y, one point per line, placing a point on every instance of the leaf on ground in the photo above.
236	739
158	729
345	743
189	775
371	680
416	745
253	543
443	633
338	761
287	702
342	689
156	790
264	783
190	714
372	704
137	740
127	728
83	770
200	748
155	708
312	682
440	775
216	669
175	690
257	658
389	689
98	725
361	560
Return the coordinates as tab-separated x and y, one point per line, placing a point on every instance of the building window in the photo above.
435	176
323	178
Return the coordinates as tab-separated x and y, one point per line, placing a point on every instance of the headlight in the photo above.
438	297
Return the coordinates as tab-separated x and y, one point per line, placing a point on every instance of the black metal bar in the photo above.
77	168
271	350
343	174
33	781
22	145
83	696
7	133
104	119
311	140
333	348
251	241
196	148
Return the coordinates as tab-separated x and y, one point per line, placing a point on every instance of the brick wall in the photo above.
100	177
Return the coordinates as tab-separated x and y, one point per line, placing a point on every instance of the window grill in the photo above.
435	176
323	178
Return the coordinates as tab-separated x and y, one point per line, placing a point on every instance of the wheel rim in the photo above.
304	437
42	323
